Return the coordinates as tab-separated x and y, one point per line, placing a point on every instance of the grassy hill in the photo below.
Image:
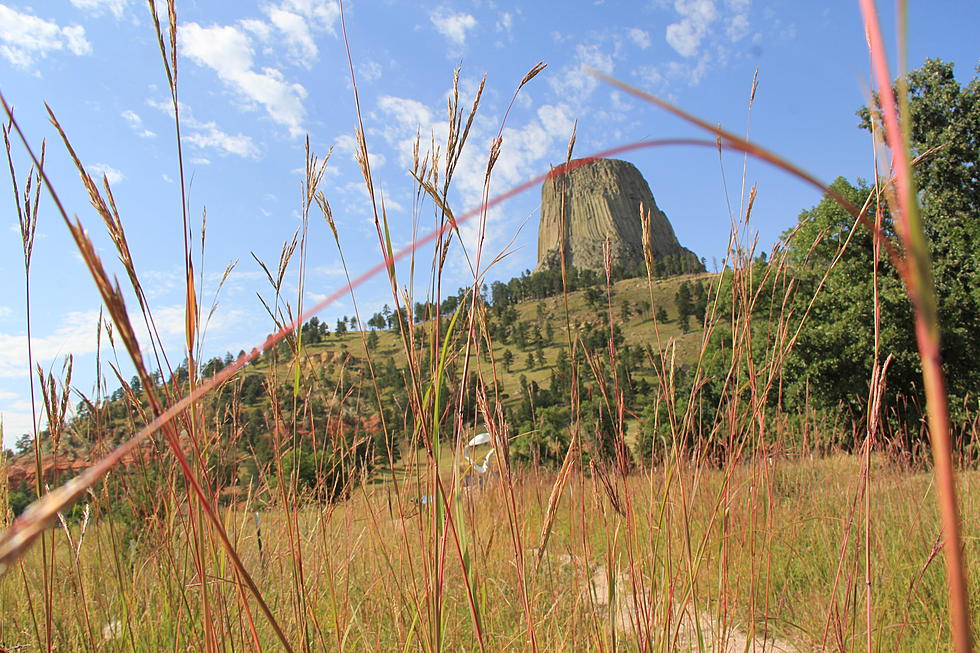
338	388
638	330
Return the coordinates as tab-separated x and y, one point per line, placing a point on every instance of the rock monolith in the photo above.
602	199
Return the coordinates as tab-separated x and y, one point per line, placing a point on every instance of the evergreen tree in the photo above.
626	309
508	359
683	300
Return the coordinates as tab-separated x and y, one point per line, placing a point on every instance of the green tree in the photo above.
683	300
626	309
547	437
833	356
593	297
508	359
685	322
945	128
377	321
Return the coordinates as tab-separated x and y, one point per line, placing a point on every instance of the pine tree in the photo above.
508	359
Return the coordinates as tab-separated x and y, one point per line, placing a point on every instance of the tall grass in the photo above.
741	533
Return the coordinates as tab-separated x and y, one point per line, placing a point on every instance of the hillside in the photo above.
338	390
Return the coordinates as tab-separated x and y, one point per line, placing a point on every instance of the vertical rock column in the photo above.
602	200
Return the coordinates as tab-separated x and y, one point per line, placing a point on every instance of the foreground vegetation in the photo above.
776	550
658	485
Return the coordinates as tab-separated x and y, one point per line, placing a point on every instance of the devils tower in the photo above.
602	199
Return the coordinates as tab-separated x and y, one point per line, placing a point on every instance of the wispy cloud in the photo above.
136	123
98	7
573	82
207	135
641	38
369	71
702	34
737	24
505	22
99	169
76	334
347	144
25	38
525	151
452	25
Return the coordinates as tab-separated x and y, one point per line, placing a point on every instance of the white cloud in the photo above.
25	38
259	28
208	134
651	75
685	36
201	161
331	270
296	22
452	25
347	144
640	37
5	312
408	112
358	197
323	14
369	70
737	28
525	152
317	297
76	335
228	51
98	170
702	36
161	283
136	123
297	34
574	82
97	7
505	22
737	22
15	424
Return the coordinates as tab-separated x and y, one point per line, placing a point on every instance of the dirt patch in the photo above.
601	590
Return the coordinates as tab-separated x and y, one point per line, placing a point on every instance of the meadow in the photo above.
335	509
769	556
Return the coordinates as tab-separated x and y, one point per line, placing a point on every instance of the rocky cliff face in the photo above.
602	200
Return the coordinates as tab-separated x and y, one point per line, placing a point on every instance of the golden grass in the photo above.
761	549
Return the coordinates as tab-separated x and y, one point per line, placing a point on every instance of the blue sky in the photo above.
256	77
